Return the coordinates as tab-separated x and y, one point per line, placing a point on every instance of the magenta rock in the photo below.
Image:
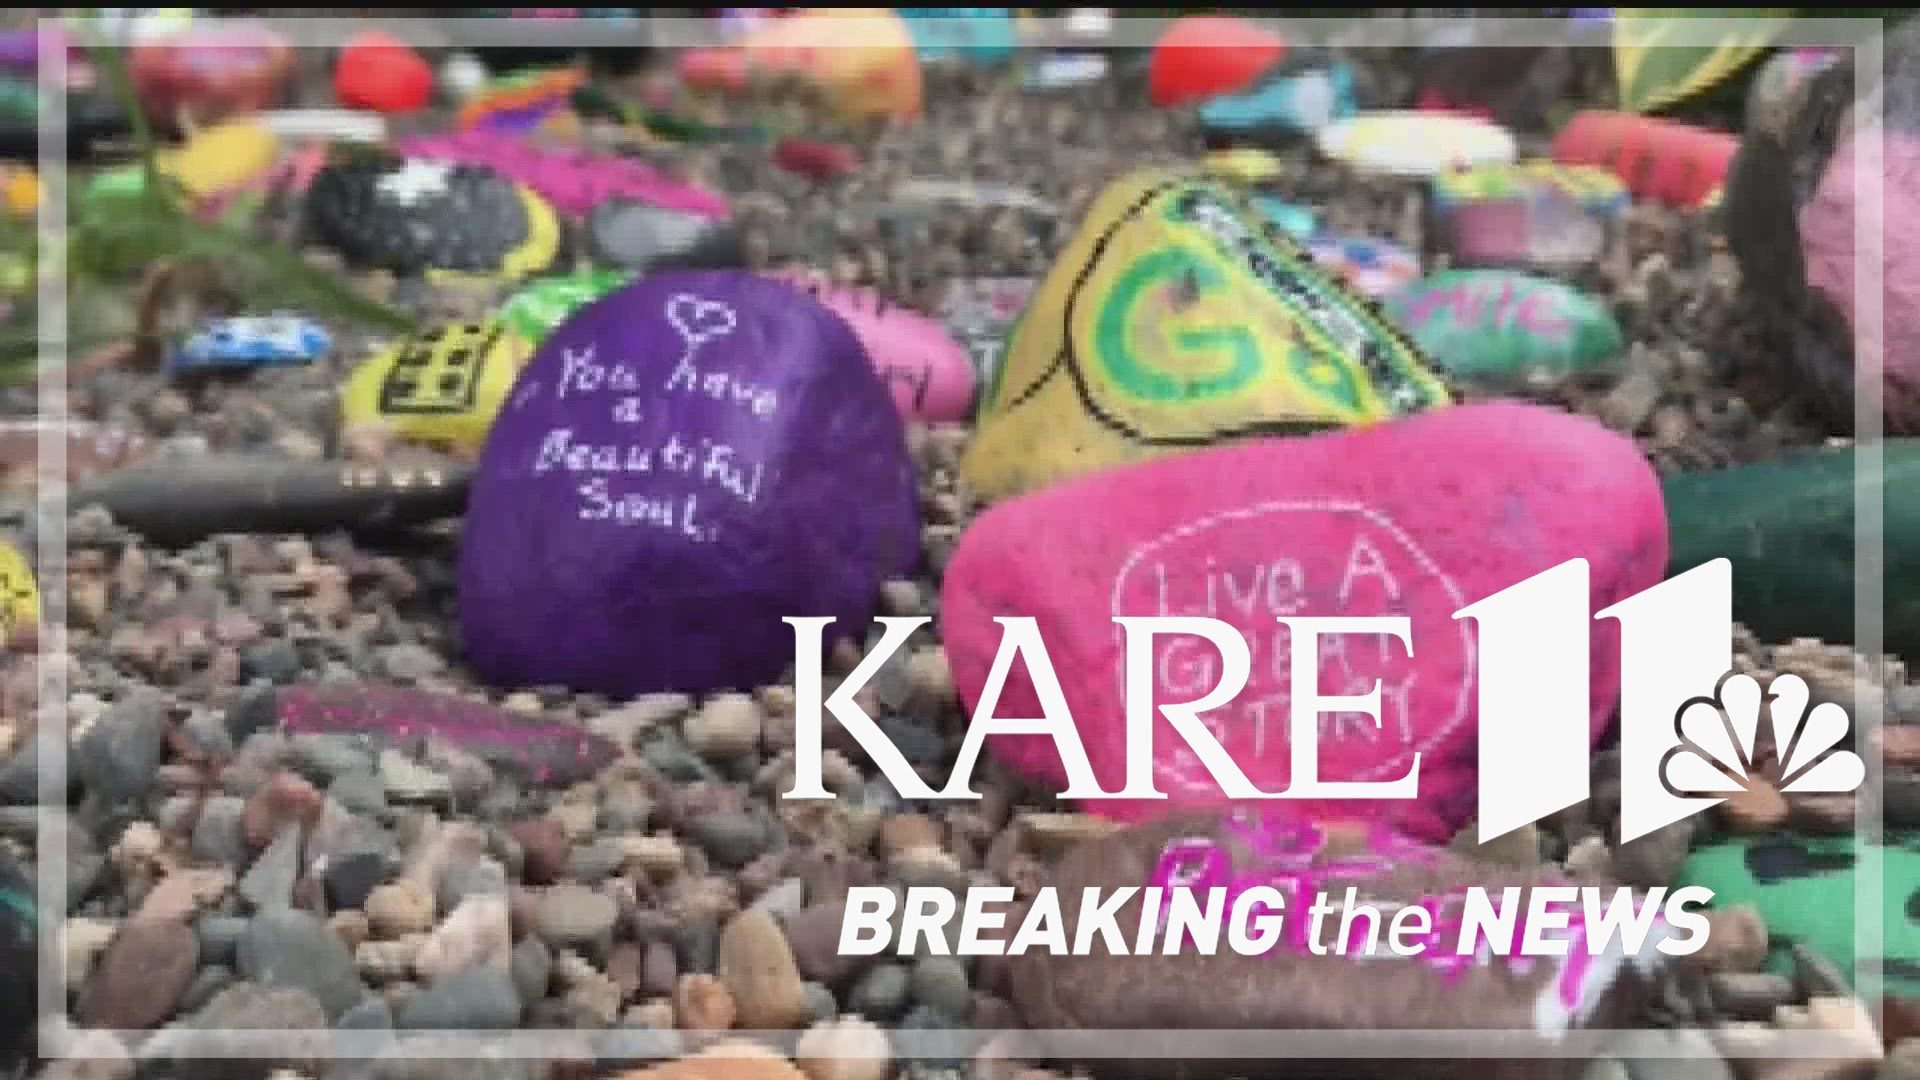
683	464
931	376
1420	516
576	181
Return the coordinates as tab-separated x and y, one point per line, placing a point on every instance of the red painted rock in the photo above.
815	160
1664	160
380	73
1203	55
1420	516
211	72
930	374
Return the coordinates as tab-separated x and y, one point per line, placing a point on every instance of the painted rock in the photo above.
975	35
1066	71
1299	103
1414	143
544	303
930	375
211	72
878	76
815	160
378	72
1247	164
1421	516
644	237
441	388
1358	985
575	181
1788	526
217	159
1506	330
19	594
252	342
1531	214
1200	56
683	464
1789	218
1177	317
1663	160
416	215
522	101
1804	889
1299	222
1375	267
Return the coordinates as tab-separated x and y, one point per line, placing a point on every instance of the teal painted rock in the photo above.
1787	526
1803	888
1300	222
1504	330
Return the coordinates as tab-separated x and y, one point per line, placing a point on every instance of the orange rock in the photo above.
735	1059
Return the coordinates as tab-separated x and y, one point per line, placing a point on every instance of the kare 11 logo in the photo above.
1689	724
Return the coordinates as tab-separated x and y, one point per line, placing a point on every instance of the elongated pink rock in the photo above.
1420	516
930	374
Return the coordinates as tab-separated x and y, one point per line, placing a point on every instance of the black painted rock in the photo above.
1789	219
412	215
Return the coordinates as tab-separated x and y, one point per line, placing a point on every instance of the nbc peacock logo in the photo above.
1721	751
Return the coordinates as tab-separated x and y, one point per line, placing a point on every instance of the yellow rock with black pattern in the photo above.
1179	317
19	595
441	388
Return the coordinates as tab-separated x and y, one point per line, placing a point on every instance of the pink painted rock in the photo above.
930	374
1420	516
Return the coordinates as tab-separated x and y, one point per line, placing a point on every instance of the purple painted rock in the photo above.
533	751
682	465
1420	516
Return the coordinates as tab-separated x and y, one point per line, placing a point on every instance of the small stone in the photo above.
940	983
218	836
658	857
474	999
478	933
904	832
409	782
351	878
783	899
627	723
544	848
848	1048
207	983
296	1019
592	863
1053	835
882	992
531	964
813	933
573	916
286	798
479	877
1750	995
120	754
359	793
1736	940
659	970
384	962
410	663
398	909
270	882
219	937
757	966
1590	857
732	839
821	1004
372	1014
1757	808
184	892
726	727
293	949
596	996
350	927
141	976
702	1003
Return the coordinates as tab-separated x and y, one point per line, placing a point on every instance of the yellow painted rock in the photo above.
19	596
1244	163
1179	317
222	157
442	388
21	191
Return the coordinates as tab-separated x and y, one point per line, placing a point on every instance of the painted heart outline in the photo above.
698	319
1715	755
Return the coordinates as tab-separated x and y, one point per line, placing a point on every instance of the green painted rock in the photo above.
1803	888
1505	330
1787	526
545	303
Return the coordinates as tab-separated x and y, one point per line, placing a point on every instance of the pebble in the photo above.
398	909
372	1014
478	933
247	1006
902	833
726	727
473	999
206	983
531	965
882	992
351	879
940	983
286	798
410	663
359	792
702	1003
849	1048
141	976
119	755
409	782
269	883
183	892
732	838
478	877
219	937
1750	995
544	848
572	916
293	949
783	899
757	967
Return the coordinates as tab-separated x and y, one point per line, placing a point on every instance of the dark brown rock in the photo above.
544	848
141	977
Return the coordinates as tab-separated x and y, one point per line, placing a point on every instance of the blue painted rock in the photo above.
1507	330
1298	103
684	463
250	342
1419	516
